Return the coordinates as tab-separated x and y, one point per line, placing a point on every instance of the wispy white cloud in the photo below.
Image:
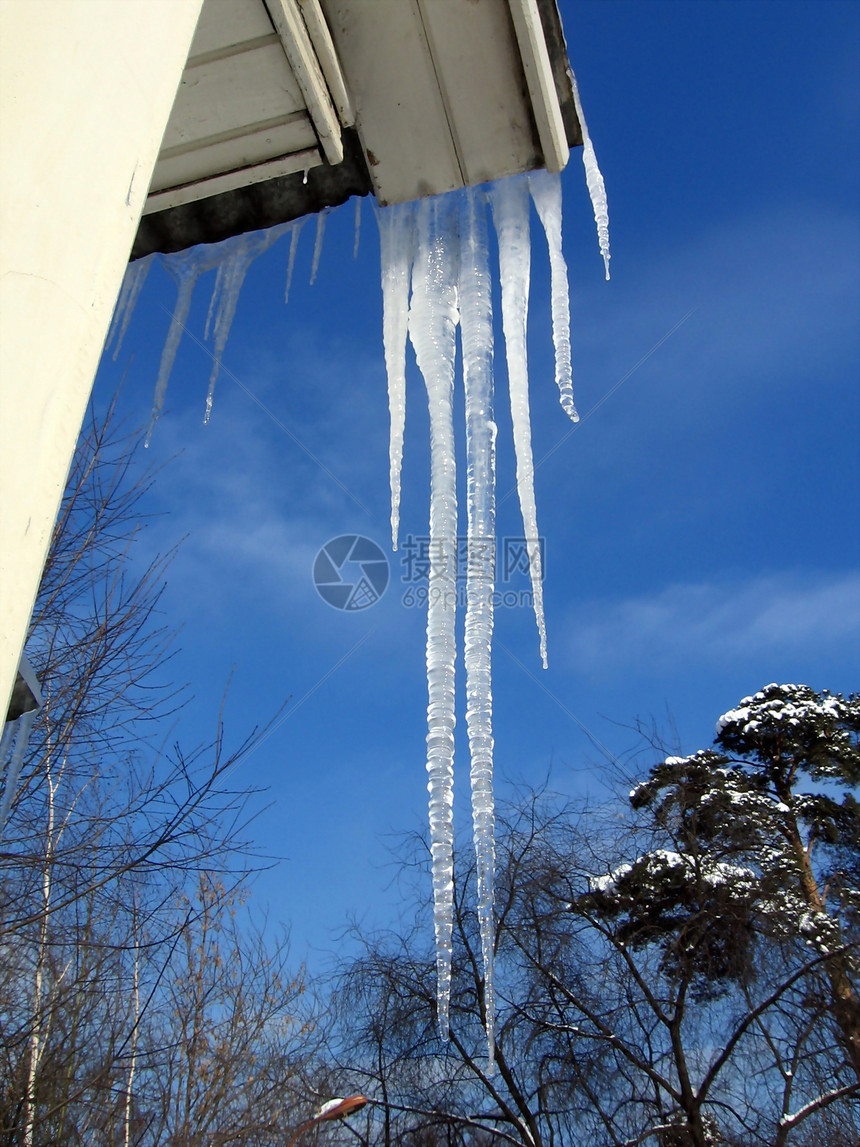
778	616
250	524
775	297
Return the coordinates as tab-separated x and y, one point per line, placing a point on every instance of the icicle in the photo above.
228	286
186	267
232	257
213	301
432	328
396	240
318	242
476	323
10	728
132	285
510	203
24	726
294	245
231	276
594	180
546	193
357	226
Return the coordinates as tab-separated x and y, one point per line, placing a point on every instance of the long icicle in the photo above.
396	241
593	180
215	298
10	728
132	285
16	761
231	276
476	326
433	329
546	193
510	203
228	287
296	229
318	244
186	268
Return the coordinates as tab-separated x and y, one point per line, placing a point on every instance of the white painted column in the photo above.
86	89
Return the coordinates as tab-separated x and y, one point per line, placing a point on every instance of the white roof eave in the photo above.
441	96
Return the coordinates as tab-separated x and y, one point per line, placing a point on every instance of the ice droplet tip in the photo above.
570	410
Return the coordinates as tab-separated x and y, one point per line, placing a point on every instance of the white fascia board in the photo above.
323	44
538	70
299	50
231	180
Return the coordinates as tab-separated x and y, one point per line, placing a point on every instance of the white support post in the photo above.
86	89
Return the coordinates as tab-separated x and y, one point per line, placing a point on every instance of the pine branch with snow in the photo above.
758	844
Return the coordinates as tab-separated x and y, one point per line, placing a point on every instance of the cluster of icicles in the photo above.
232	258
435	277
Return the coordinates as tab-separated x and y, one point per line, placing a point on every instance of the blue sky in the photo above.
701	524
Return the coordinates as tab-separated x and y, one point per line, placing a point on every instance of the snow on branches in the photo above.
755	839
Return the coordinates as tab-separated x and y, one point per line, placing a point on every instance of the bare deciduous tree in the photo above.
681	974
112	850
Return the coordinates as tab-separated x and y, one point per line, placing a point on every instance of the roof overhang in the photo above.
287	107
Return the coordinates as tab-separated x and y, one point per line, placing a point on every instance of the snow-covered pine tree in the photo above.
764	849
